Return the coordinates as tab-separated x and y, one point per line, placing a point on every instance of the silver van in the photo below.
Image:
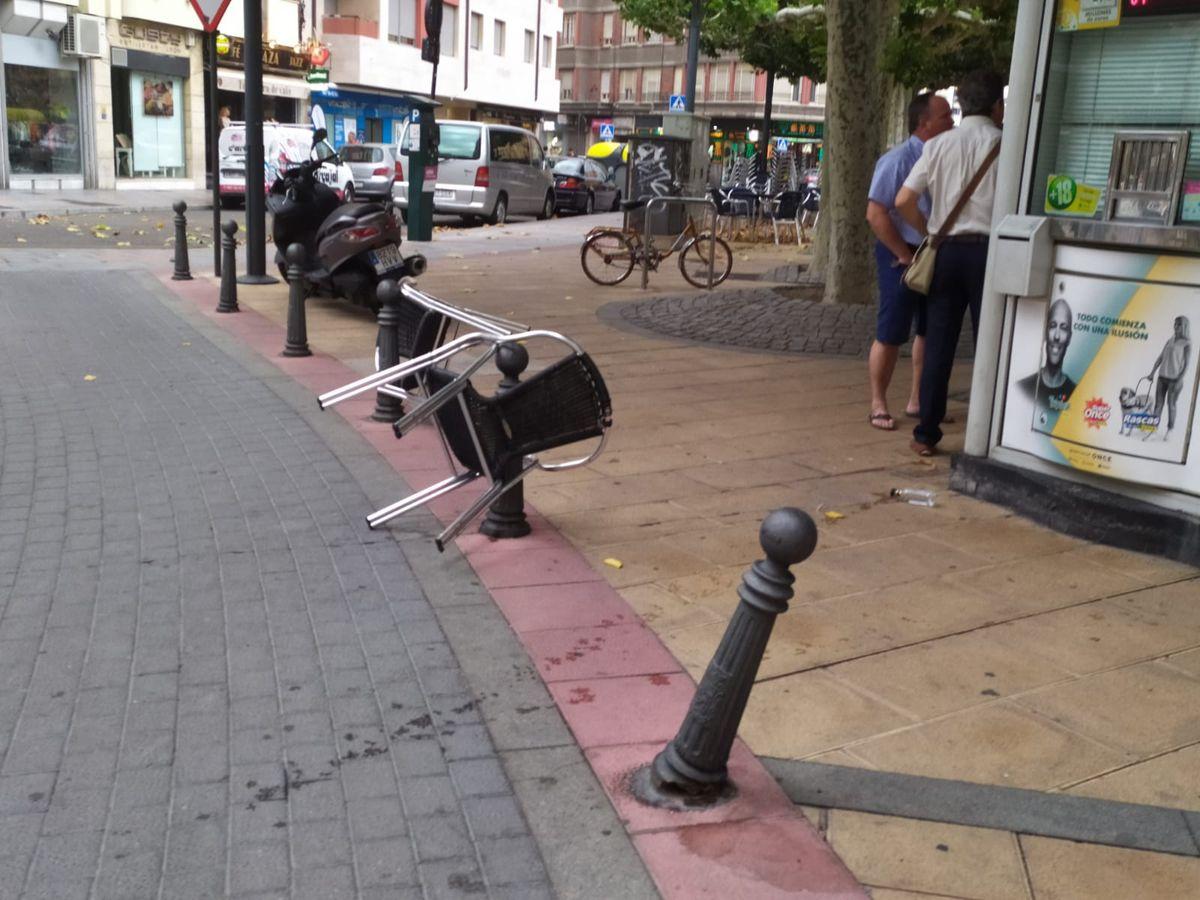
485	171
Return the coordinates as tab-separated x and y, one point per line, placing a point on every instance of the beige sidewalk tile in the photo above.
1043	583
1001	540
1172	779
619	461
643	561
1095	636
1152	569
995	744
946	675
896	560
1188	661
1172	606
761	472
929	857
1145	709
720	545
1065	870
662	610
879	893
619	491
615	525
810	713
694	645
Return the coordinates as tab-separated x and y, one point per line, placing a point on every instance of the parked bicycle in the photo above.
609	254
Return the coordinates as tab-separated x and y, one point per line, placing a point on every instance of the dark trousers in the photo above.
1167	390
957	287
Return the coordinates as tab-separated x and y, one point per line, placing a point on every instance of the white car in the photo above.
283	146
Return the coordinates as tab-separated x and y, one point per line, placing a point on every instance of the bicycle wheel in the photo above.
607	257
693	261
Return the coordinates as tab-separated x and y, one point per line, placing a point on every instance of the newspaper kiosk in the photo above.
1084	398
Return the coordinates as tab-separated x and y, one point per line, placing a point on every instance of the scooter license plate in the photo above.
384	259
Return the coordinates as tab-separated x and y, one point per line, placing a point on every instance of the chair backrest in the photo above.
564	403
419	331
455	428
789	204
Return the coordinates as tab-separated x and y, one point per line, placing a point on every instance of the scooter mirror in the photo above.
319	135
322	151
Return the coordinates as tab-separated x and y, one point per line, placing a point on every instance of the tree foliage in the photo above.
936	42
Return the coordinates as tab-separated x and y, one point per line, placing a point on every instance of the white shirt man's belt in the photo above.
948	163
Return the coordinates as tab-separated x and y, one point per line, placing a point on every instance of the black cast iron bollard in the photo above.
227	302
387	407
182	269
297	328
691	771
506	517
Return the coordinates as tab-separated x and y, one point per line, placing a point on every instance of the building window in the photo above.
566	79
651	85
529	46
547	51
744	89
43	119
629	32
718	83
629	85
476	31
498	37
402	21
606	85
568	32
819	95
653	37
449	31
680	71
606	29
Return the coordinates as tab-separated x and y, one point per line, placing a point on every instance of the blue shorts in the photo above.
901	311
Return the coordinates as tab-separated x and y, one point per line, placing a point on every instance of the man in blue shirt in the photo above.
896	240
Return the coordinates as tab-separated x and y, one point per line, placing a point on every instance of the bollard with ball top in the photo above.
506	516
692	770
388	408
297	328
182	269
227	302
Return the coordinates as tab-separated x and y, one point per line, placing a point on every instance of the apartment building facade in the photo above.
614	73
498	60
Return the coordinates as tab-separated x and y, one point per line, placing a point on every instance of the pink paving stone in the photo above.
606	711
572	654
548	606
517	568
540	537
762	859
759	795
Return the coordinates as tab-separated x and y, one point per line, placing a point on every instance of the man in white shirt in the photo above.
948	163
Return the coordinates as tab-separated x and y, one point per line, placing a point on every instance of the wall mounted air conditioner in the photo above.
82	36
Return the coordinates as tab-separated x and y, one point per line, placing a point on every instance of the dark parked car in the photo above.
583	185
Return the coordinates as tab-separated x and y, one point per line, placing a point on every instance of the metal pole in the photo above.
506	516
297	328
182	267
256	201
227	301
387	407
214	155
692	770
693	54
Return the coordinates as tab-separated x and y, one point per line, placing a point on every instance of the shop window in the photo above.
148	124
1140	75
498	30
43	120
530	46
476	31
547	51
449	31
402	21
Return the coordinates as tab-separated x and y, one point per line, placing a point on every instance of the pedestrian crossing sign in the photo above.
781	145
607	132
678	103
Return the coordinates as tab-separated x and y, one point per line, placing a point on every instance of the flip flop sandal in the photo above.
883	421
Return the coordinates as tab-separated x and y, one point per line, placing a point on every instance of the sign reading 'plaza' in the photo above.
279	59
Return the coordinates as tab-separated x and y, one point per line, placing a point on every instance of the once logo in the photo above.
1096	413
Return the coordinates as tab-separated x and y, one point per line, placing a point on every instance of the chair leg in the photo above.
419	498
486	499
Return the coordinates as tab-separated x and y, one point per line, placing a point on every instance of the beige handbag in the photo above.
919	274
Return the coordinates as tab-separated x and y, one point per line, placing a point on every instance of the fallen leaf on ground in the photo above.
101	227
139	231
568	297
187	343
89	377
40	219
833	515
454	256
123	244
468	290
72	228
22	240
159	225
615	563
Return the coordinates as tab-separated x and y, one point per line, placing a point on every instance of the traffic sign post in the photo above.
210	13
678	103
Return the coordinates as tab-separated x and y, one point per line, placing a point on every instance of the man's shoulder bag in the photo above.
919	274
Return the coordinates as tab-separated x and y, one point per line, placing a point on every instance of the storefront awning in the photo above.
273	85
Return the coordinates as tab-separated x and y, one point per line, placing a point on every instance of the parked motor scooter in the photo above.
350	246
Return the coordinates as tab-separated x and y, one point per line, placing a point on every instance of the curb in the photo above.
115	210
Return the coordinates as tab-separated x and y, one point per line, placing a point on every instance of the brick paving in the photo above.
777	319
213	679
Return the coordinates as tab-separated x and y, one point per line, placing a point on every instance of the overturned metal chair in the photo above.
562	404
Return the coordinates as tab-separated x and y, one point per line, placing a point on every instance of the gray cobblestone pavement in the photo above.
213	679
774	319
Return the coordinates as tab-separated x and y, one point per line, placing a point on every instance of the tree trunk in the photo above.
855	108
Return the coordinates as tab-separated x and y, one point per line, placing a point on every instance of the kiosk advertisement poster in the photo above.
1103	376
